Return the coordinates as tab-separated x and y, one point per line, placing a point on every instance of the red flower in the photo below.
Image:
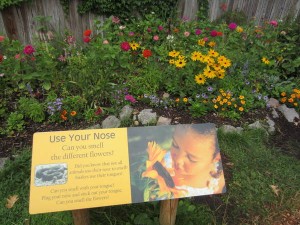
1	58
125	46
219	33
86	39
98	111
28	50
213	33
2	38
87	33
147	53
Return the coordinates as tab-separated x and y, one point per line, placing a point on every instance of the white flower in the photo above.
1	74
170	38
122	27
4	57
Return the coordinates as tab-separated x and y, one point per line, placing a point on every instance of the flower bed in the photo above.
198	66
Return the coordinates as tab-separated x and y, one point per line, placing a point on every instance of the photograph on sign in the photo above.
51	174
174	162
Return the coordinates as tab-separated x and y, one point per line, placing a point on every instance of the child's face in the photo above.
192	153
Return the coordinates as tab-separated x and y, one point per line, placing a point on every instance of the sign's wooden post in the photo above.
168	210
81	217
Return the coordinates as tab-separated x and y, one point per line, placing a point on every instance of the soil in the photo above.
286	137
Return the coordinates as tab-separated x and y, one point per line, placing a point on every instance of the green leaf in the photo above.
46	85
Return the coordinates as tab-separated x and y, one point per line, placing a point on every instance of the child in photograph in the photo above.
191	167
195	159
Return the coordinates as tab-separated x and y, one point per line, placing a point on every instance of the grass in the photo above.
251	167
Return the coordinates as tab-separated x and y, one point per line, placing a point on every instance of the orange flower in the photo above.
283	94
298	96
73	113
63	117
177	100
87	33
176	30
290	100
241	109
283	100
64	112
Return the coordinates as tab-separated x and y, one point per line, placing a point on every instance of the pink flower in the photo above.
17	56
70	40
62	58
213	33
274	23
130	98
149	29
205	39
155	38
232	26
98	111
28	50
115	20
186	33
105	42
160	28
125	46
86	39
131	33
198	31
2	38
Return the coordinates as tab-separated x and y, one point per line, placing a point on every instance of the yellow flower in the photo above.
225	100
216	106
217	67
221	59
201	42
235	105
213	53
171	61
180	63
293	96
295	104
290	100
200	79
221	75
241	97
219	98
265	60
283	94
241	109
239	29
223	94
214	100
212	44
185	100
296	91
228	103
226	63
174	53
177	100
134	45
209	73
243	102
181	57
195	56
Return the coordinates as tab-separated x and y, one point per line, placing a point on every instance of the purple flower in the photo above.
149	29
131	33
247	82
204	95
210	88
198	31
130	98
266	98
259	96
232	26
274	23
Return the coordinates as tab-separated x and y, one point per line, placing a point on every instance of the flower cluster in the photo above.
265	60
64	114
87	36
226	101
215	65
292	99
177	59
55	106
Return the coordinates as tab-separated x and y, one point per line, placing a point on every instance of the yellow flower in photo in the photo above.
201	42
216	106
210	61
283	100
219	98
213	53
241	109
180	63
296	91
181	57
185	100
214	100
225	100
241	97
293	95
217	67
295	104
243	102
171	61
212	44
134	45
200	79
221	59
283	94
195	55
239	29
73	113
174	53
228	103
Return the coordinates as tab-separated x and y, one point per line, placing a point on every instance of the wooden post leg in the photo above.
81	217
168	210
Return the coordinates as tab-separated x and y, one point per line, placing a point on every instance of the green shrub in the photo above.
32	108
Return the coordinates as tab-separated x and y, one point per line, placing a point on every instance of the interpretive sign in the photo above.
92	168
